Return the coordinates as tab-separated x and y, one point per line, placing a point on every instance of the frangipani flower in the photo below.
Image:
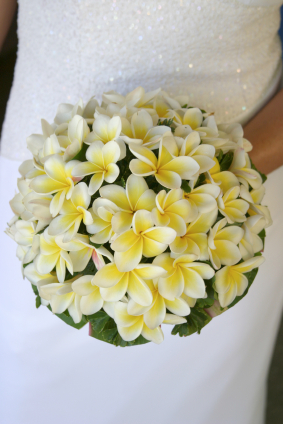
81	252
61	297
54	254
38	206
17	204
115	284
103	211
251	243
172	210
105	129
192	117
231	207
203	154
33	276
102	160
235	133
143	239
25	235
130	327
58	179
155	313
167	170
195	239
224	179
54	138
136	98
183	276
78	132
72	213
163	108
28	170
208	132
254	197
91	299
230	281
67	111
137	196
51	146
241	167
202	199
222	244
141	130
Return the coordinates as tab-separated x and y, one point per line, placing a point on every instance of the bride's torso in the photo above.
225	54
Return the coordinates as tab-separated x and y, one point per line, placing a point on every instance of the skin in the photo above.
264	131
7	10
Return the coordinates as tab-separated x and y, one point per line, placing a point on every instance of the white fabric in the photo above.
264	3
224	54
52	373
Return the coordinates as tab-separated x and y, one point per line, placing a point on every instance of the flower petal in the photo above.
121	222
135	187
91	303
125	241
155	336
117	195
156	314
117	292
83	286
95	182
128	260
178	306
173	286
112	172
111	152
227	252
139	290
194	284
107	276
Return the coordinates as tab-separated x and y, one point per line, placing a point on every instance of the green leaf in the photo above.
37	302
220	156
90	269
69	320
95	244
200	180
262	235
197	319
98	321
104	328
81	155
24	265
167	123
35	290
185	186
204	303
226	161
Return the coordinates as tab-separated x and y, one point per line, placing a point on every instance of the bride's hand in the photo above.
265	132
7	10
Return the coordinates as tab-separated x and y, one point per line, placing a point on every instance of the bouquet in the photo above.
137	212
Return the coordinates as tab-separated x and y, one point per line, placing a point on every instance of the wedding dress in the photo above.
226	55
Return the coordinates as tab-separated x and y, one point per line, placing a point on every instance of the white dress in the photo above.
226	55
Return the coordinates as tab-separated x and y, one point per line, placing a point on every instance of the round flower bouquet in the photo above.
136	213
